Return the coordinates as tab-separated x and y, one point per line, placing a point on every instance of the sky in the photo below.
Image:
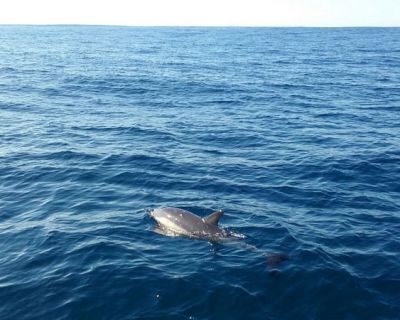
324	13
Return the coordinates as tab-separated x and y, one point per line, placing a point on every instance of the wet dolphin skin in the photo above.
183	222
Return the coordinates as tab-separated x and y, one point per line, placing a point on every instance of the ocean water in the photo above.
294	132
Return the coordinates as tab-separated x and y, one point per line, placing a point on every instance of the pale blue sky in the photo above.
203	12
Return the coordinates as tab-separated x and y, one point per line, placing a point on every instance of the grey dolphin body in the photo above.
183	222
175	221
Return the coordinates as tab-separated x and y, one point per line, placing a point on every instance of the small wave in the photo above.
299	147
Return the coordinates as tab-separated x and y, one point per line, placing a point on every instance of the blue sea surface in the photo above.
294	132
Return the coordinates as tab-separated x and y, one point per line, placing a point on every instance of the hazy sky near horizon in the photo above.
203	12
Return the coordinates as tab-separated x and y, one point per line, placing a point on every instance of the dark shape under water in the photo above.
175	222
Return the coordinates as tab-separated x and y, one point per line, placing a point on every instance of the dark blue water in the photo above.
295	133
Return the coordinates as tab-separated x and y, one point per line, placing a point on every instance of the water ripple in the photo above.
293	132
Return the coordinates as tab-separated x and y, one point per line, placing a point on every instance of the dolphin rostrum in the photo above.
182	222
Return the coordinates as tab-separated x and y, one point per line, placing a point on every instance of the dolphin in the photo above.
177	221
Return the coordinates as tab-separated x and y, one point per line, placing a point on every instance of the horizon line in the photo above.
192	26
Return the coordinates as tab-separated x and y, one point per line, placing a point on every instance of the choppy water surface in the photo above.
295	133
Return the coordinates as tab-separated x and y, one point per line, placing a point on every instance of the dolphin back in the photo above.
187	223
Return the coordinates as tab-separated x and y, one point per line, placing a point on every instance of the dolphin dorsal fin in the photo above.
214	217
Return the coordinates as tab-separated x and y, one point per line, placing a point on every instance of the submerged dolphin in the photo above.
182	222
